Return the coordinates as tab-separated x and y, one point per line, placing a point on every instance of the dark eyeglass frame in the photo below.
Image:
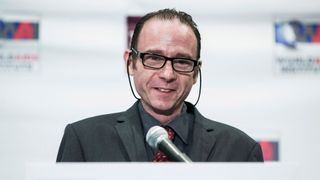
142	54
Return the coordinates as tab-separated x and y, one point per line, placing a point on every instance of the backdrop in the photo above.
61	61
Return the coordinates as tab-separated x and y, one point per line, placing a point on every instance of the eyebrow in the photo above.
179	55
184	56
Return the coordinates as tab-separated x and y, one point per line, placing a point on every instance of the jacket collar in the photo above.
130	131
203	138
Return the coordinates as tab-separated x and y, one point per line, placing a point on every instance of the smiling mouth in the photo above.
164	90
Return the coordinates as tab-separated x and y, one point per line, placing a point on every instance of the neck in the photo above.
164	117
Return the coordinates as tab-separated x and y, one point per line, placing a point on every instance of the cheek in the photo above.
138	81
188	83
141	79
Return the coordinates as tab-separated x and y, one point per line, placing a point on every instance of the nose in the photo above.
167	72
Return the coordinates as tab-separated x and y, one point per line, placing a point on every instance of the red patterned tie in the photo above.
160	156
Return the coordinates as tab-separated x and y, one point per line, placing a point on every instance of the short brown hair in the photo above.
167	14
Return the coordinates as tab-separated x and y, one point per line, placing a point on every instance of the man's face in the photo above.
163	90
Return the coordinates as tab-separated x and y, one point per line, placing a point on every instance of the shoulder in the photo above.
95	123
229	132
102	123
231	143
99	119
222	131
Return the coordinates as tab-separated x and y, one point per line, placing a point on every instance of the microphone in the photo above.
157	137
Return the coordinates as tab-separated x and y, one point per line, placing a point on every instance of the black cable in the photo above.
200	84
130	81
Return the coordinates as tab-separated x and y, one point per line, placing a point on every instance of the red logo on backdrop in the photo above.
131	24
19	30
270	150
25	30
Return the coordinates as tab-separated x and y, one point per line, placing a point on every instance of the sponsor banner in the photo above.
270	150
19	43
297	46
269	140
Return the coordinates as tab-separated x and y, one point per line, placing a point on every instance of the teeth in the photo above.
164	90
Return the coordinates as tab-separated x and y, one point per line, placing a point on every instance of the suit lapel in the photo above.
131	134
203	139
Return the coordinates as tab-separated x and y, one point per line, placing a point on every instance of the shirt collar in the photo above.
180	124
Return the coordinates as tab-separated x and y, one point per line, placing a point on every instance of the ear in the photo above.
128	61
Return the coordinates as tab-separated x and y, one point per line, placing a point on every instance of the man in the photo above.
164	63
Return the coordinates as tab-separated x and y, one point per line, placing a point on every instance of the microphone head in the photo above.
155	135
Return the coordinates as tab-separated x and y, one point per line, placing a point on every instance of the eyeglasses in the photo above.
156	61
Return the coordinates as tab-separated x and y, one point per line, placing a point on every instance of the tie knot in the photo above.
170	132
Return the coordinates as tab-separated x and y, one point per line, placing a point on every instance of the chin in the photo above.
164	107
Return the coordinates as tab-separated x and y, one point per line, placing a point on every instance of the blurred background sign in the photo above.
297	46
131	24
19	43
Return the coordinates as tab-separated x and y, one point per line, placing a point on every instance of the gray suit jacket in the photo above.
119	137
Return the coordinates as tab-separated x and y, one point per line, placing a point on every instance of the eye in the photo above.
153	57
183	62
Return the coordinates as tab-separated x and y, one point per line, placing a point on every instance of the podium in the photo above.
161	171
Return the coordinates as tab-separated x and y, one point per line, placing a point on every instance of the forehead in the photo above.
157	25
160	34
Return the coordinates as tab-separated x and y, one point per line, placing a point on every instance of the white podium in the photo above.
161	171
